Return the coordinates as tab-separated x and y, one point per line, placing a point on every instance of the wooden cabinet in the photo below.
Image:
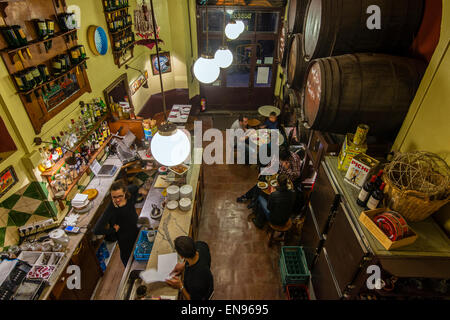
339	249
84	257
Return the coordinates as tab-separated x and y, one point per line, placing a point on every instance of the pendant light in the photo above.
205	68
223	56
240	26
232	30
170	146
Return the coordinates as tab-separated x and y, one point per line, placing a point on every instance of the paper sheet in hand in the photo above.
166	263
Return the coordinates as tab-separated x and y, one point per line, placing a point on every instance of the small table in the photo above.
266	110
254	122
262	136
179	113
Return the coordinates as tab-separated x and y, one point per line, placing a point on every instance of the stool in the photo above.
281	229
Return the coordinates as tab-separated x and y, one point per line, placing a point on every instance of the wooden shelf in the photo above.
123	50
34	42
54	79
116	10
120	31
52	171
81	173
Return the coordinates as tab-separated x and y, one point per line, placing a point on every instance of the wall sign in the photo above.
136	84
8	178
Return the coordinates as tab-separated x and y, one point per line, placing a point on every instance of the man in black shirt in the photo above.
198	279
278	208
120	218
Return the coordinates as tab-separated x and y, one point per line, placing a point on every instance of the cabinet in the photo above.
339	249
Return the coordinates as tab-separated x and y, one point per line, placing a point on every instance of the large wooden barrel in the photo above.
296	64
284	43
336	27
295	15
374	89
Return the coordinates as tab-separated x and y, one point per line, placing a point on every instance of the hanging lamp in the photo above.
205	68
170	146
232	30
223	55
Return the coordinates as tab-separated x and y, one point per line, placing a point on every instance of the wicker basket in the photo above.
413	205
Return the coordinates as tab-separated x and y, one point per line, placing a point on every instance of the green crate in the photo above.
293	266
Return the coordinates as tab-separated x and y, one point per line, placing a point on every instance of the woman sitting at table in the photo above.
290	165
278	207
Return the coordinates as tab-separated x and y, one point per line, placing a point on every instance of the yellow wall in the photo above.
426	127
172	18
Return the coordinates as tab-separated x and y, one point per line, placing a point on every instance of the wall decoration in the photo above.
136	84
98	41
77	14
164	58
8	178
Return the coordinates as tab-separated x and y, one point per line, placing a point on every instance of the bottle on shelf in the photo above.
376	197
366	191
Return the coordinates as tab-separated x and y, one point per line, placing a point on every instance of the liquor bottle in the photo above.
103	107
91	114
378	181
365	192
59	149
376	197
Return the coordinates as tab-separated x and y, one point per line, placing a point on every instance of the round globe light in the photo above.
223	57
232	30
206	69
170	150
240	26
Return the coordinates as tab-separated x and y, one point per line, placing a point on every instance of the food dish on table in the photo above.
262	185
179	169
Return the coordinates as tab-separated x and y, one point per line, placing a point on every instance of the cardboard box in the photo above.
361	168
348	151
366	219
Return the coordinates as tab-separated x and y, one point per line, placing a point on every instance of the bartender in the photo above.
120	218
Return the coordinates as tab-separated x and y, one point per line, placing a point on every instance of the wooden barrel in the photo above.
296	65
375	89
295	15
283	44
340	26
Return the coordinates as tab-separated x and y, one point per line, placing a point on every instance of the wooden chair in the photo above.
282	229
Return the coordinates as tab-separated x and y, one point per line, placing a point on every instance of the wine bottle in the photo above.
376	197
366	191
378	181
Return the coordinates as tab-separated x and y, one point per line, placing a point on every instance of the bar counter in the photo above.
173	223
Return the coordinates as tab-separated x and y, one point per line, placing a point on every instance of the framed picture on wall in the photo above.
8	178
164	58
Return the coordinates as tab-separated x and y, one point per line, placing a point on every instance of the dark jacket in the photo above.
281	205
126	218
198	278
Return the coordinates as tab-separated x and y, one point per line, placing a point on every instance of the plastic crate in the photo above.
297	292
139	254
293	266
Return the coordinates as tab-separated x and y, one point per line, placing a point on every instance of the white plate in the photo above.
184	116
172	205
262	185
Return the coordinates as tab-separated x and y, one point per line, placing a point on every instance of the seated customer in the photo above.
271	122
278	208
198	280
290	165
119	221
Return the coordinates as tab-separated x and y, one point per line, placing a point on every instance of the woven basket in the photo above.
413	205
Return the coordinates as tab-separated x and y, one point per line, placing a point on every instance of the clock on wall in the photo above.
98	41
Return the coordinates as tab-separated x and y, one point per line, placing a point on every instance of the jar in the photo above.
29	84
56	65
42	29
18	31
36	75
50	27
18	76
10	37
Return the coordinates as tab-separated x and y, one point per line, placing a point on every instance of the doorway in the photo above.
249	82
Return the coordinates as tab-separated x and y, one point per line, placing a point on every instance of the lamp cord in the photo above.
159	62
207	40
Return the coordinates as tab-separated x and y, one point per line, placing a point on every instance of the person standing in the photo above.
120	218
198	280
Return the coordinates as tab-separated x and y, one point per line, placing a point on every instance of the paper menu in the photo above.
166	263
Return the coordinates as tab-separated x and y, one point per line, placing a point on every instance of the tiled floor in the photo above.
243	266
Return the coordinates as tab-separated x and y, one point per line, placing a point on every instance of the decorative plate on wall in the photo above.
98	41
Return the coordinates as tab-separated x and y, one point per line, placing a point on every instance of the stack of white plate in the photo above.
186	191
173	193
81	203
185	204
172	205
